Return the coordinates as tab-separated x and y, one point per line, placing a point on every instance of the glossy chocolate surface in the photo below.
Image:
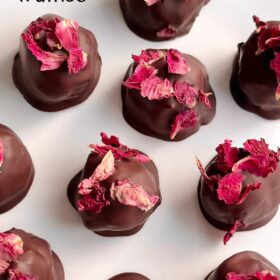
243	263
38	259
117	219
17	171
155	117
146	21
258	208
129	276
57	90
253	82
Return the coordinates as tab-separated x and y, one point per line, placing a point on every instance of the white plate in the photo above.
177	242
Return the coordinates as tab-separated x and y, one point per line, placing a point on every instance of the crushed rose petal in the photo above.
167	32
177	64
154	88
1	152
186	94
204	98
62	38
16	275
148	56
259	275
131	194
237	225
184	120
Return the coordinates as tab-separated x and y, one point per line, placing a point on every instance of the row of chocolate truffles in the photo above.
118	188
168	89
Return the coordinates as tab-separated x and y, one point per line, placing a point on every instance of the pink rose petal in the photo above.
237	225
141	73
259	275
177	63
151	2
1	152
275	66
77	61
247	190
128	193
266	275
186	94
203	98
4	265
148	56
229	188
154	88
168	32
183	120
11	246
16	275
110	141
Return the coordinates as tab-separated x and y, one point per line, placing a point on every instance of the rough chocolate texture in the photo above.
38	259
17	171
129	276
117	219
259	207
146	21
155	117
243	263
57	90
253	82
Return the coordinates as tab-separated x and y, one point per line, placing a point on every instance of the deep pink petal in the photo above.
167	32
148	56
186	94
237	225
177	63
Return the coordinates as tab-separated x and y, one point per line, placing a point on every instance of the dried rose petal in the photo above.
148	56
184	120
202	169
275	66
1	152
112	141
151	2
260	24
266	275
247	190
53	42
140	74
256	147
50	61
177	63
237	225
77	61
11	246
227	156
186	94
259	275
229	188
128	193
3	265
154	88
168	32
203	98
16	275
88	203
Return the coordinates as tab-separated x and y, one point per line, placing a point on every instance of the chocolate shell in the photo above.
247	263
38	260
258	208
56	90
117	219
253	83
155	117
129	276
16	172
176	17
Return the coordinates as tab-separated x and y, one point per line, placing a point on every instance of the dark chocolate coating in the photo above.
17	171
38	259
57	89
258	209
146	20
129	276
155	117
117	219
253	83
243	263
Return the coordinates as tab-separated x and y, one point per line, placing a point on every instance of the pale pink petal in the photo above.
11	246
3	265
184	120
177	64
204	98
168	32
148	56
151	2
154	88
77	61
186	94
1	152
128	193
237	225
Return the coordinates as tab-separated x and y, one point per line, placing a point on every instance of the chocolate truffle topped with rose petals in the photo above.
240	188
117	190
245	266
167	95
255	82
27	257
160	20
16	169
129	276
58	65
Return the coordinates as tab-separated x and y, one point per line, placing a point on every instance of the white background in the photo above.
177	242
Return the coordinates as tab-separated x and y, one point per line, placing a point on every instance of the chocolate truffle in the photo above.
255	81
28	257
245	265
167	95
159	20
129	276
58	65
240	188
117	190
16	169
